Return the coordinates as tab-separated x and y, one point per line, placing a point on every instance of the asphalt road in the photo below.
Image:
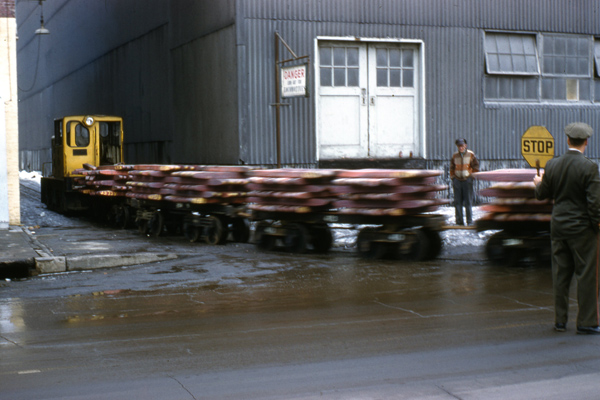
231	322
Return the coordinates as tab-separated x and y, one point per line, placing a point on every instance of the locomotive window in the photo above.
103	129
82	135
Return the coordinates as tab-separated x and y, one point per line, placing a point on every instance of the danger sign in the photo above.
293	81
537	146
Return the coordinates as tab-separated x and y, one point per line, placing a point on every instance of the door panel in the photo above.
343	112
368	100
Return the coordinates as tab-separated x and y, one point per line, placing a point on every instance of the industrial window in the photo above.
511	54
339	66
566	55
395	67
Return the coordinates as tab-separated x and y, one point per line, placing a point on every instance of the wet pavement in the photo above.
233	322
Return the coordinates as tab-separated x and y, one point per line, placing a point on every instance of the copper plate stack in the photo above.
207	185
390	192
146	181
290	190
103	181
514	193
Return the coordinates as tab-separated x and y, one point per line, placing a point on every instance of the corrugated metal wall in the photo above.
453	35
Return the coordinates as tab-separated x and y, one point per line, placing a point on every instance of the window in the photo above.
395	67
508	54
540	68
339	66
82	135
566	55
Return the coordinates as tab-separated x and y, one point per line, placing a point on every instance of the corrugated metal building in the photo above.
196	80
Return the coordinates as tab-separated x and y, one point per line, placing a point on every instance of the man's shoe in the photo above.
588	330
560	327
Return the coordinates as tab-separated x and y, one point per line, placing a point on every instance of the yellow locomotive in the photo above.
86	139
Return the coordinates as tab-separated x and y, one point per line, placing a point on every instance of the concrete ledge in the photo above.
45	265
82	263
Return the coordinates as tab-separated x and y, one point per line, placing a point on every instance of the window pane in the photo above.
584	90
339	56
560	46
531	64
547	89
352	76
339	77
394	58
395	78
516	45
382	58
560	65
584	67
560	89
548	65
352	53
491	88
572	47
504	89
82	136
531	89
597	90
572	89
407	78
407	58
519	63
517	89
506	63
493	63
325	55
325	76
382	76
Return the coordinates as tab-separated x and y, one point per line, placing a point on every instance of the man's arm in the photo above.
593	195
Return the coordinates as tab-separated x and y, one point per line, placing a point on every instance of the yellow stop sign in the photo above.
537	146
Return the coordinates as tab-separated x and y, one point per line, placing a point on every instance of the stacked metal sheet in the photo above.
108	181
386	192
514	193
290	190
207	185
193	184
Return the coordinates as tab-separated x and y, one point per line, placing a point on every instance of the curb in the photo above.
45	265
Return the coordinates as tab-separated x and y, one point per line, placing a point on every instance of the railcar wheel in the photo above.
321	238
296	238
263	240
156	225
191	232
435	244
215	233
240	230
498	253
142	225
121	216
367	247
416	246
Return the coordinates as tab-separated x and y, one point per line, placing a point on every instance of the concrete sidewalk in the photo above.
24	255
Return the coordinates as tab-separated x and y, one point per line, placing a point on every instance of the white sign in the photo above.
293	81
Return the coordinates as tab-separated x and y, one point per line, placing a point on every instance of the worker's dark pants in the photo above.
579	257
463	196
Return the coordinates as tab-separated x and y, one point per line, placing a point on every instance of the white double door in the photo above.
368	100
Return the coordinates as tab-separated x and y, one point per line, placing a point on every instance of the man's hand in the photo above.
537	179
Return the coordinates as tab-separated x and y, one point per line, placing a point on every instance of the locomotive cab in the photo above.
79	140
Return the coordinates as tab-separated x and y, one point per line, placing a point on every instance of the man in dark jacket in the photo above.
573	182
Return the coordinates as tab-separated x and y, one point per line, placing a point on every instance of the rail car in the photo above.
216	203
293	209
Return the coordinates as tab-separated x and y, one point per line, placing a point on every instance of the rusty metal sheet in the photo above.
541	217
283	209
299	195
507	175
289	188
144	196
387	196
385	211
388	173
286	201
402	204
293	173
201	200
205	175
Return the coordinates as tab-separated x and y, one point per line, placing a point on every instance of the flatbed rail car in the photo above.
294	208
413	237
522	222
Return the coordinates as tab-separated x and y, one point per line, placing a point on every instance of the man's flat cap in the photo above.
460	142
578	130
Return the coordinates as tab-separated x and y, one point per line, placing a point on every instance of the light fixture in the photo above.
42	30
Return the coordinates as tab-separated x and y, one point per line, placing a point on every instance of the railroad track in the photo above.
30	190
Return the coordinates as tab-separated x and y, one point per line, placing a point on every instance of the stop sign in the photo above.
537	146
